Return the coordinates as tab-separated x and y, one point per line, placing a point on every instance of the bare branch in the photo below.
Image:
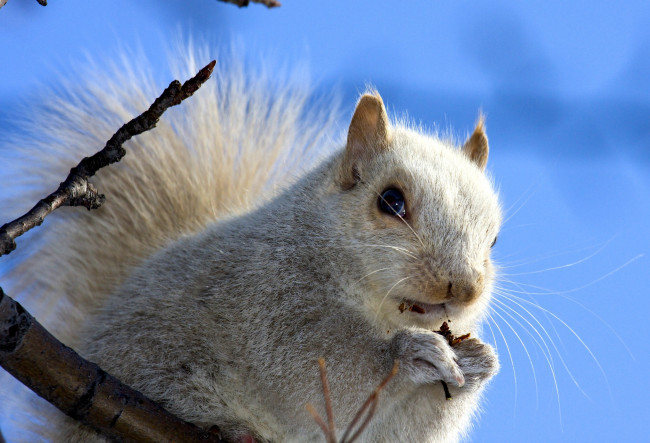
82	389
243	3
76	190
43	3
55	372
370	405
328	401
367	410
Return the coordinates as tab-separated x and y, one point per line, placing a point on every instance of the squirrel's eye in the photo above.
392	202
494	242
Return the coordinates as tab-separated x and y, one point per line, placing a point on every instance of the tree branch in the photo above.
366	411
243	3
55	372
42	3
76	190
82	389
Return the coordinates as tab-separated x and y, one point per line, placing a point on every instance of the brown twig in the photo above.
76	190
328	400
328	428
82	389
453	341
370	405
55	372
368	408
40	2
243	3
445	387
319	421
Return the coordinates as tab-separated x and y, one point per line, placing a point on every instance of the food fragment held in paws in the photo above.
453	341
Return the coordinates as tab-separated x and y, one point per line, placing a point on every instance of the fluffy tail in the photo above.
242	135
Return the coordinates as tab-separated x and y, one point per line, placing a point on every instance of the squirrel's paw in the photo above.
477	360
426	357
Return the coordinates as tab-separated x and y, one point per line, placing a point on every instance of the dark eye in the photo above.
392	202
494	242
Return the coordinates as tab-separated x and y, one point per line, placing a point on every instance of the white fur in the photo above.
191	287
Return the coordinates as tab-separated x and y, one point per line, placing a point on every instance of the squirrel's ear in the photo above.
368	135
476	146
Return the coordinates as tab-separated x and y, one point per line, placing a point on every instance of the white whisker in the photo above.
494	338
404	221
568	265
530	360
520	206
512	362
368	275
575	334
573	300
396	248
593	282
387	294
559	354
529	261
399	249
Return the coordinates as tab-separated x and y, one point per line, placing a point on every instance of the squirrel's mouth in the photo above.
421	308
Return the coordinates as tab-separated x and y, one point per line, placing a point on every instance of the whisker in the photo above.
575	334
399	249
593	282
568	265
404	251
521	205
368	275
523	225
387	294
494	338
404	221
559	354
512	362
524	262
534	301
530	360
573	300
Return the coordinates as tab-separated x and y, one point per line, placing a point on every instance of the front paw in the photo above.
426	357
477	360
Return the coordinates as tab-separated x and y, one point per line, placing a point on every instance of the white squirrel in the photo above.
212	281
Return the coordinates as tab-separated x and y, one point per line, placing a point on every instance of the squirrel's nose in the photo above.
466	290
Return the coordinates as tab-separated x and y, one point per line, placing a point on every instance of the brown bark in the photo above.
55	372
82	389
243	3
76	190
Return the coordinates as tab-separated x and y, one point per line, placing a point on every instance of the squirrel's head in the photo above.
425	217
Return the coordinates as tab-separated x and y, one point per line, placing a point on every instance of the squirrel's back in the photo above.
219	153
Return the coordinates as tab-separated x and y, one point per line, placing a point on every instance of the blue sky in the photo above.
566	90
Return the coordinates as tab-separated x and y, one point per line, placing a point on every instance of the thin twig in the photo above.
76	190
368	408
82	389
243	3
52	370
370	405
328	401
445	387
319	420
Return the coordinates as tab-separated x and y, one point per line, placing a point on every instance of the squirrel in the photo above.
212	279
